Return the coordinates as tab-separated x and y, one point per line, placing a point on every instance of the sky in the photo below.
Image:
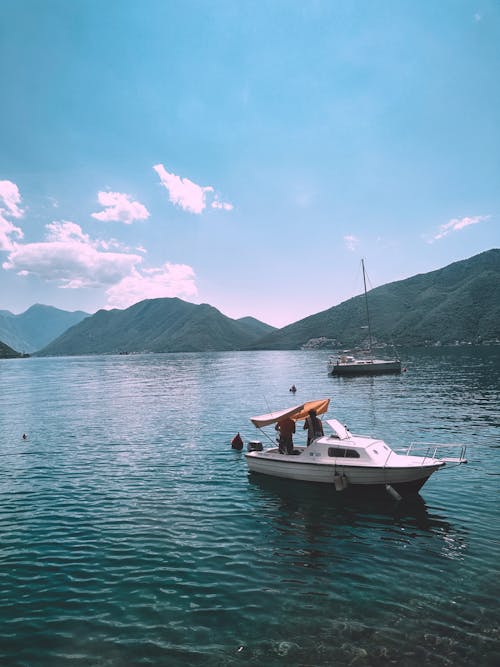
244	154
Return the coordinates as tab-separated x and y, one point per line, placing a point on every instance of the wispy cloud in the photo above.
456	224
167	281
120	207
9	208
224	205
183	192
188	195
351	242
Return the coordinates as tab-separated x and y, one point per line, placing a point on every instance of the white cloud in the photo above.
7	230
168	281
183	192
120	207
188	195
66	231
225	206
9	208
70	258
351	242
456	224
9	193
112	244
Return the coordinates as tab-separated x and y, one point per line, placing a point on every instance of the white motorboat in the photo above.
344	460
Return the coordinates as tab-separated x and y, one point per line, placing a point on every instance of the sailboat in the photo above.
348	364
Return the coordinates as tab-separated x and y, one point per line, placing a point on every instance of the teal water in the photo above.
132	534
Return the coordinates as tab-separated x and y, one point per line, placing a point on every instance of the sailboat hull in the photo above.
365	367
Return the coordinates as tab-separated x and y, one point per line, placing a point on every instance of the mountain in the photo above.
7	352
36	327
456	303
257	327
157	325
459	302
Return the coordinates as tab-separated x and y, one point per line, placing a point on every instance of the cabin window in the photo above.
340	452
337	452
352	453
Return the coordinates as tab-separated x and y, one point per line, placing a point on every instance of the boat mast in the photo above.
366	304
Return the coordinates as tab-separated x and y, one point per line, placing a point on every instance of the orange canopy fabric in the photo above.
296	413
320	406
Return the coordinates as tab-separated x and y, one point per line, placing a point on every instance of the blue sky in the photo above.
243	154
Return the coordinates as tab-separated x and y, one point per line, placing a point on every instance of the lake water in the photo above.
132	534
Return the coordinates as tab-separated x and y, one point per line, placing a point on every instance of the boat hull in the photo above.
405	480
365	368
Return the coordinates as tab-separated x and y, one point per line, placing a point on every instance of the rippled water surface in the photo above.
132	534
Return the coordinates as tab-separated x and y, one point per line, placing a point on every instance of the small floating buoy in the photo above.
293	389
237	442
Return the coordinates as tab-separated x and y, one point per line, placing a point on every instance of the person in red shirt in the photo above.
286	429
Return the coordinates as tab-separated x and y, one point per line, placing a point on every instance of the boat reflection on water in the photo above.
322	512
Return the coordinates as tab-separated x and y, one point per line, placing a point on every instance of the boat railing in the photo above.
452	452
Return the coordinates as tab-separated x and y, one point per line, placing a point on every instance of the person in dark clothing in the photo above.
314	427
286	429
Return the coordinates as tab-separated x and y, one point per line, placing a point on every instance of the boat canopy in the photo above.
296	413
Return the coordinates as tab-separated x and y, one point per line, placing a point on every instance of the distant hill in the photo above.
36	327
259	328
457	303
157	325
7	352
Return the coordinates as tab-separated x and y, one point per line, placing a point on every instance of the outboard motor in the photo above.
255	446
